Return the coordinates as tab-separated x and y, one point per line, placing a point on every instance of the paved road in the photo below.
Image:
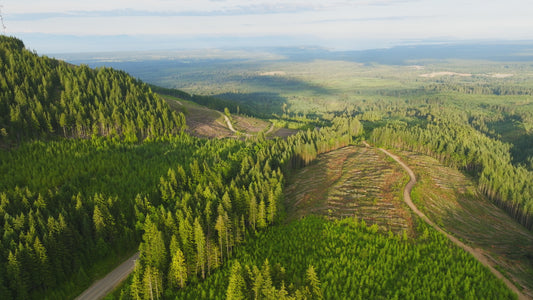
475	252
102	287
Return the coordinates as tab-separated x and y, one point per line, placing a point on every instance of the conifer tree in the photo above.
178	270
199	239
237	285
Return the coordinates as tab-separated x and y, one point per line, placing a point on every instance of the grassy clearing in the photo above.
352	181
450	198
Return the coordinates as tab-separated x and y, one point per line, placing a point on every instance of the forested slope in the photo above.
94	166
465	148
350	260
95	163
40	96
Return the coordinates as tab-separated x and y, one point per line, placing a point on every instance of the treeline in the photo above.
478	88
305	146
40	96
210	101
508	123
441	86
205	215
70	205
463	147
267	283
351	261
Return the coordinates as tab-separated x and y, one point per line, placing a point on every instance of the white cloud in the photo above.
322	19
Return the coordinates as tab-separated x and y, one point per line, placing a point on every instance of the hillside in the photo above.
359	182
352	181
72	207
205	122
42	97
95	166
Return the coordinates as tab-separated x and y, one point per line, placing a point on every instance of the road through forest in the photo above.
102	287
475	252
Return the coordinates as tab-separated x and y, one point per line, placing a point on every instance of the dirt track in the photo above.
478	254
105	285
230	126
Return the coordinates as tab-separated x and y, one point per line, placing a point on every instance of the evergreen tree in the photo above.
314	282
178	270
236	285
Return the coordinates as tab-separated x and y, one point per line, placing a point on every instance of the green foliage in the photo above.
236	287
67	205
252	282
459	145
346	259
204	216
40	97
134	177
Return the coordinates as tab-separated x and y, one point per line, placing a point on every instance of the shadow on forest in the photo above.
263	103
265	97
522	150
511	130
279	82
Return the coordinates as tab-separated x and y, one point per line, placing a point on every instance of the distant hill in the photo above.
43	97
510	52
148	61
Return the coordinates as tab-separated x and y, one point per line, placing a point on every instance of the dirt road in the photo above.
270	129
475	252
230	126
105	285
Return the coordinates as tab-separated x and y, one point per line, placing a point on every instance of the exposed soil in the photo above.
437	74
477	253
451	200
350	182
208	123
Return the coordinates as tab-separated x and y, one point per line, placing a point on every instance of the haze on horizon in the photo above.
59	26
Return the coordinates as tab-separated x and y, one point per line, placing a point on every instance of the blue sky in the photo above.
55	26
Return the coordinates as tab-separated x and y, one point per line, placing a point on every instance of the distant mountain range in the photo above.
492	51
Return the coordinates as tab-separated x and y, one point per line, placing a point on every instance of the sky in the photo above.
60	26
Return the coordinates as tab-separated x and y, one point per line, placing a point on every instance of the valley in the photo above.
286	177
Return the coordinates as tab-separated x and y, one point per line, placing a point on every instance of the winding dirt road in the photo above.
230	126
475	252
105	285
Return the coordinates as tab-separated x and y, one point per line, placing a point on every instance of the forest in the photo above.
95	165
